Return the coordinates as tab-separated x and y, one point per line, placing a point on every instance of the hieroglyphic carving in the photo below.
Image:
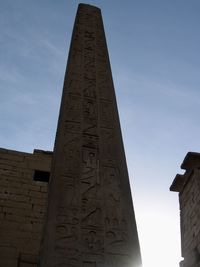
106	114
68	216
115	224
91	215
70	138
90	107
108	148
89	63
93	241
71	126
89	51
101	55
103	85
90	128
88	19
104	78
111	184
87	222
71	153
65	259
89	89
71	166
76	58
73	74
90	158
116	235
91	141
90	188
67	232
90	184
68	201
89	38
69	196
73	83
89	111
73	108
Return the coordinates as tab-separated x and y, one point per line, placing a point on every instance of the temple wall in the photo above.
188	186
23	197
190	213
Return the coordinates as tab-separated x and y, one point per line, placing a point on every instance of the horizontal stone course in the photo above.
188	186
22	206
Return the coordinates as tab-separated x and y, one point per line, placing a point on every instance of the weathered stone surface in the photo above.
22	206
90	221
188	186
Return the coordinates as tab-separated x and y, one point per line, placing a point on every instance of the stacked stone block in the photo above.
188	186
22	206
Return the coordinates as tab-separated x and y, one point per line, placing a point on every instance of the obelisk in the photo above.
90	219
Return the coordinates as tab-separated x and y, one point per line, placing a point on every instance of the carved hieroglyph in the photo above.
90	220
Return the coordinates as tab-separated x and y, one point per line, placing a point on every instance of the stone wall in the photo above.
23	197
188	186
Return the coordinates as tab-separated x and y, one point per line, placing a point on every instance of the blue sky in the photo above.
154	54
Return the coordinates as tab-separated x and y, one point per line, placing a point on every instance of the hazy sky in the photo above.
154	53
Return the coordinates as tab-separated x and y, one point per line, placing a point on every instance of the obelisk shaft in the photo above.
90	220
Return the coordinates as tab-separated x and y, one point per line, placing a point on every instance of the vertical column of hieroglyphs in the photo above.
68	160
91	195
115	231
62	237
121	245
90	209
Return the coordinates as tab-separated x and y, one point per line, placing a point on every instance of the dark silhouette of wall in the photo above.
188	186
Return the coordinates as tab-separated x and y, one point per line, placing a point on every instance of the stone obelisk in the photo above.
90	219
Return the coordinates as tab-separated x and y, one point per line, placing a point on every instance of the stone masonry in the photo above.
90	219
84	216
188	186
23	195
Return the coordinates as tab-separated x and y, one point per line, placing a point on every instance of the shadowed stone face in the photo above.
188	186
90	221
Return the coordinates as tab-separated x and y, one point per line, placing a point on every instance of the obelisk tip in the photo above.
83	5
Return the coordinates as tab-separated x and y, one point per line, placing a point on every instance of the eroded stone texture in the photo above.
188	186
90	221
22	206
